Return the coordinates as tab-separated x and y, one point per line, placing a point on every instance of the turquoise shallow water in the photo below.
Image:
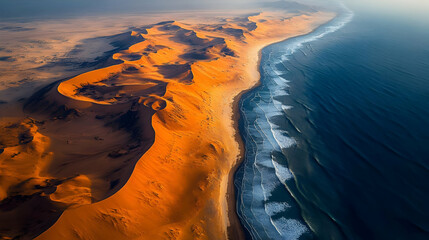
337	135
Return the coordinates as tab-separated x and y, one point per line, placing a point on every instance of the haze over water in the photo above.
349	112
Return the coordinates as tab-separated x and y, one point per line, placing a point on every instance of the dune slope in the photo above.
183	79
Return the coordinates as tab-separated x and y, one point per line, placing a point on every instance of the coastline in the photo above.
330	53
318	35
239	232
232	201
182	187
225	222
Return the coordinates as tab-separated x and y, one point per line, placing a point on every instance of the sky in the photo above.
410	8
54	8
70	8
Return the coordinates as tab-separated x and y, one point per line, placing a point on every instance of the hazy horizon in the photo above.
46	9
55	9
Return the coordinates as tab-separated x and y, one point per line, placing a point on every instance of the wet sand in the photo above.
165	125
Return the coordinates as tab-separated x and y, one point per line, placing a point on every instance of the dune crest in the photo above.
182	79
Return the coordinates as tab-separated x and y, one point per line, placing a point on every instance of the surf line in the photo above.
286	228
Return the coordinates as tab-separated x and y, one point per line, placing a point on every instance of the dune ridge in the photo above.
172	98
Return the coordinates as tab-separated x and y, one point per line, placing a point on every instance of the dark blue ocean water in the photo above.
337	135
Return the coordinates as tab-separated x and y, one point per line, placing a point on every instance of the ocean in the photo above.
337	134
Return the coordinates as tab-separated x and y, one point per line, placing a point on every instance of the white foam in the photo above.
278	92
257	213
282	139
289	229
269	183
283	173
284	58
335	26
279	80
272	208
286	107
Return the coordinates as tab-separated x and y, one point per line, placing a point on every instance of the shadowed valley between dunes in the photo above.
146	147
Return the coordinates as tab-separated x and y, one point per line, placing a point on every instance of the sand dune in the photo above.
144	149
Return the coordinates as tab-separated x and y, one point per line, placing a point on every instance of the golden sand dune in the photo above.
76	154
183	79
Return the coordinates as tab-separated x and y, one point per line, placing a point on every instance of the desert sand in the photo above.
143	149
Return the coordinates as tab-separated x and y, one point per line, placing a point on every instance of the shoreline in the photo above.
226	221
182	186
241	233
232	201
237	135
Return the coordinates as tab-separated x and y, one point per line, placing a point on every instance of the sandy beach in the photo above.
164	125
